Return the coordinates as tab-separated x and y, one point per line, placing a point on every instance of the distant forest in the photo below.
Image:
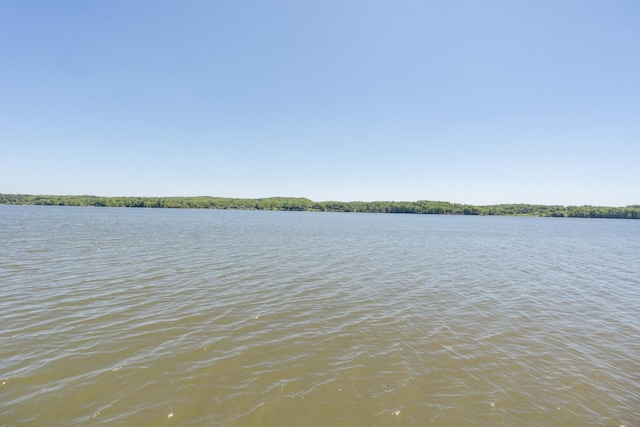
303	204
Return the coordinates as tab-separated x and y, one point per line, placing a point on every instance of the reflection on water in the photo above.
180	317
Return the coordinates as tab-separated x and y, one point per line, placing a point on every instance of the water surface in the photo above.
195	317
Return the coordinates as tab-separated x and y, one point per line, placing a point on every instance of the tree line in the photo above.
304	204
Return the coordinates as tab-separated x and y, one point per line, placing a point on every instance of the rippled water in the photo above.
194	317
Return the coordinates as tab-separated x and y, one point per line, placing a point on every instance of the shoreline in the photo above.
303	204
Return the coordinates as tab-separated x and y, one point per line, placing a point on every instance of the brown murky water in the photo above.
137	317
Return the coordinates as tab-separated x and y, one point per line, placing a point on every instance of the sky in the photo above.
476	102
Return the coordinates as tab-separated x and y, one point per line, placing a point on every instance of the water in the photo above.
192	317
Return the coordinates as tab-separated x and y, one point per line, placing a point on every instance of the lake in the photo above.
151	317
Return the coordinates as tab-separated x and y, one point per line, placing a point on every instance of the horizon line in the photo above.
315	201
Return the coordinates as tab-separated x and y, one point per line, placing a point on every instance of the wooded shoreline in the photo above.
304	204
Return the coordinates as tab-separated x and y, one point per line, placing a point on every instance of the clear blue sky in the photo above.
466	101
